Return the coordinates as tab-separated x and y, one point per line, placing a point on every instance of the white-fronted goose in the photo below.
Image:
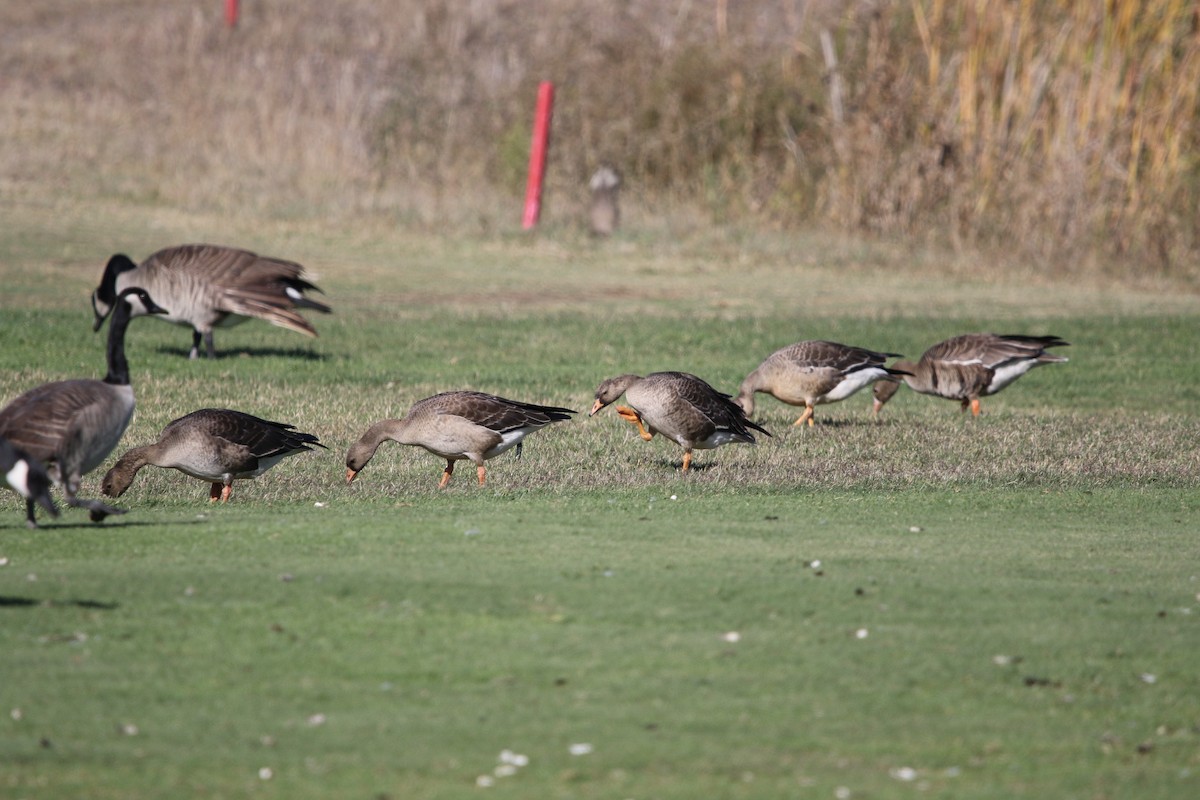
971	366
206	286
28	478
217	445
681	407
814	372
72	426
457	426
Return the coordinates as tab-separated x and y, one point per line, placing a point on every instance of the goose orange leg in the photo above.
975	407
226	492
687	460
482	472
629	415
446	475
807	416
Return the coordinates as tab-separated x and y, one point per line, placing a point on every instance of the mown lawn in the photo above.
923	605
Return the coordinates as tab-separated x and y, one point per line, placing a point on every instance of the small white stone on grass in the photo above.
579	749
1001	660
732	637
915	529
515	759
505	770
484	781
904	774
265	774
16	714
861	633
318	504
3	561
1149	677
316	720
842	793
815	563
674	497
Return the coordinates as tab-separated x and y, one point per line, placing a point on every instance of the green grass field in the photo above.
925	605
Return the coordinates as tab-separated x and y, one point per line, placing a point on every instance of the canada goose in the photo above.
207	285
681	407
971	366
456	426
28	478
814	372
71	426
218	445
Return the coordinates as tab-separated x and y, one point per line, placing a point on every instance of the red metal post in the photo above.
231	13
537	154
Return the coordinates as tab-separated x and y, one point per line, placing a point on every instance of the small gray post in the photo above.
604	214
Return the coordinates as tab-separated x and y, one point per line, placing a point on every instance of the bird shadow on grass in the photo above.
676	465
299	353
7	601
832	422
113	521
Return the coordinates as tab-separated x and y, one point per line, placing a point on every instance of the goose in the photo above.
218	445
456	426
814	372
71	426
208	285
28	478
971	366
681	407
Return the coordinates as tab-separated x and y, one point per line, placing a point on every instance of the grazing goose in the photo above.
814	372
218	445
971	366
207	285
28	478
681	407
457	426
71	426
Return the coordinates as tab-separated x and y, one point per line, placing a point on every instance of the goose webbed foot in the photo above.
632	417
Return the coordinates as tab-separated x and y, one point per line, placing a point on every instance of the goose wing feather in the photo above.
497	414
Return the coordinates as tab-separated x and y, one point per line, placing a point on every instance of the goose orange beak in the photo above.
350	476
595	407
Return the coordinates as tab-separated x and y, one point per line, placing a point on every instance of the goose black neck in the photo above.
118	367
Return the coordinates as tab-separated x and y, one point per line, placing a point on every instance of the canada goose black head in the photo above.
105	296
137	302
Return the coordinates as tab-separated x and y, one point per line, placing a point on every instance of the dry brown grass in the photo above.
1063	138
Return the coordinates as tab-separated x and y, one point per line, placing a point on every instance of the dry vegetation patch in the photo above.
1060	136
